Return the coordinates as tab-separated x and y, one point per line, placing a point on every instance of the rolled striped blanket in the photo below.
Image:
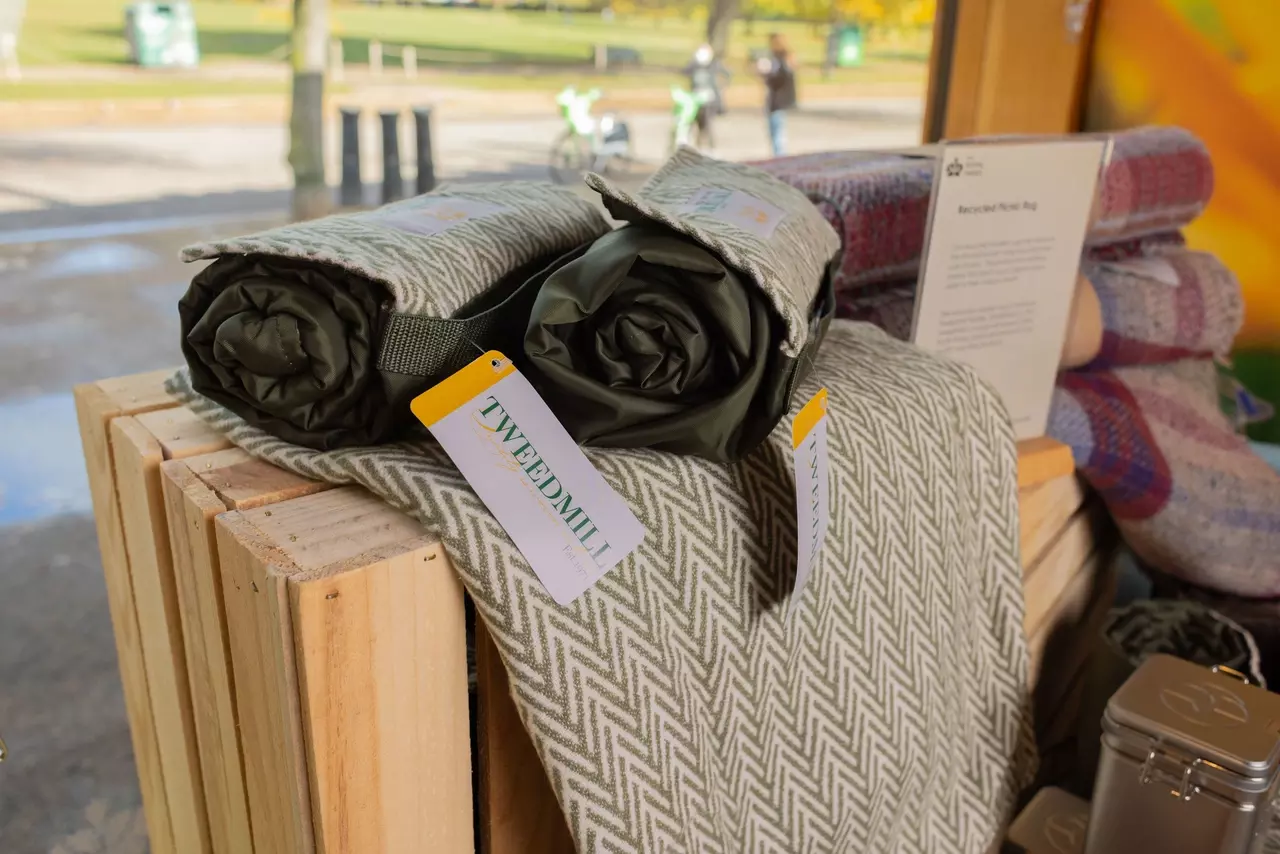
1158	180
1144	420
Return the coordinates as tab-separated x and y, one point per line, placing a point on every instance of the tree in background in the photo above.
720	16
311	195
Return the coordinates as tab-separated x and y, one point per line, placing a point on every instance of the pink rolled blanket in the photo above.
1158	180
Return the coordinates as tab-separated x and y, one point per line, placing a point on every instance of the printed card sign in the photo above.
736	208
562	515
809	441
1006	231
435	214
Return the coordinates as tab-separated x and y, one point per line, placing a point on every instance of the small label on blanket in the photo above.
809	439
567	522
1155	268
736	208
435	214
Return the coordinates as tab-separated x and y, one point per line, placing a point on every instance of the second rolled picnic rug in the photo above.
678	708
321	332
687	329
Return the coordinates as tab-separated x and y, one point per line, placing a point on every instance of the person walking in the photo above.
705	73
780	91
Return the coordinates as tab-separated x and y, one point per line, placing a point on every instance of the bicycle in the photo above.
685	106
588	144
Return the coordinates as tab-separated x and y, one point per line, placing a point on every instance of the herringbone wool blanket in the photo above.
675	706
1158	180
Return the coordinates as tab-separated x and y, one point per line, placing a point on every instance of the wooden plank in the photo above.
260	636
196	490
181	433
191	508
1014	69
1033	70
1043	511
1045	581
1042	460
382	669
964	84
1060	645
371	691
137	457
96	406
518	810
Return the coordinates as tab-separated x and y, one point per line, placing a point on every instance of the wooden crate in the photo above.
293	654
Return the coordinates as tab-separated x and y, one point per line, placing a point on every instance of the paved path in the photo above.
88	167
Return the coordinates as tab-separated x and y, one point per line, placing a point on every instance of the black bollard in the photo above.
392	183
352	192
426	181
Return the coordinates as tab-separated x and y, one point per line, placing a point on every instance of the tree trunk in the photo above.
311	196
720	17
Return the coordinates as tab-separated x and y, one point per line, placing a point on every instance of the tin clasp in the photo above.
1186	790
1144	776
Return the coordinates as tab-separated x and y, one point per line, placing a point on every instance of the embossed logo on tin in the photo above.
1205	704
1065	833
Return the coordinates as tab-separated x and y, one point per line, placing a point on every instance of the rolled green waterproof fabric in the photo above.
322	332
647	339
688	329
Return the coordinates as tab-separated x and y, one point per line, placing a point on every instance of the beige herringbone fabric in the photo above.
429	270
677	709
787	264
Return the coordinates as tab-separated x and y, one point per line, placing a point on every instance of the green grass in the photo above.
479	47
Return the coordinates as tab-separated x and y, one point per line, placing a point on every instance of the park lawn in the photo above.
76	32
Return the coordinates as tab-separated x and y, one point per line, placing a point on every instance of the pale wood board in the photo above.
1061	644
196	490
1013	69
1043	511
191	508
371	691
97	405
1042	460
1046	579
260	635
519	813
382	670
137	457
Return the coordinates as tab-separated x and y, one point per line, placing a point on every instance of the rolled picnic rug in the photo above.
687	329
1158	180
1173	303
321	332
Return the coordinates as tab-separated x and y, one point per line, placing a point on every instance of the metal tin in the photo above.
1054	822
1190	763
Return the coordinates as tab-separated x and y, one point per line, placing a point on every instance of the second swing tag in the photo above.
562	515
809	441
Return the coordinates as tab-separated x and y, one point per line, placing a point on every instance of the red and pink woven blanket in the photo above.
1143	418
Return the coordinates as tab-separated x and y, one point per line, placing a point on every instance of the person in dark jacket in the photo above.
706	74
780	91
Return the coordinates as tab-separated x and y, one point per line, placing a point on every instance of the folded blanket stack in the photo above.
1143	418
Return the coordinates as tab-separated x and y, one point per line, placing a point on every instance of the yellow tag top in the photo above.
807	417
450	393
